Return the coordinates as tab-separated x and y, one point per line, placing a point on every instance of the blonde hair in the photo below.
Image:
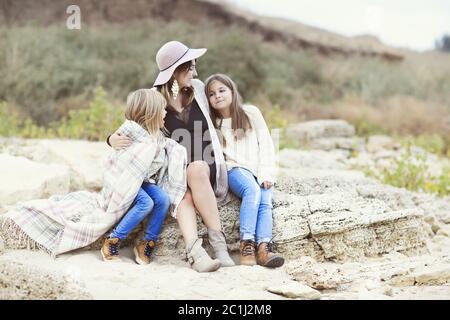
144	106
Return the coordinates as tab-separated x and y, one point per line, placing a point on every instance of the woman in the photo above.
188	122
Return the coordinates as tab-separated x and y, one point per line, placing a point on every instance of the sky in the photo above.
413	24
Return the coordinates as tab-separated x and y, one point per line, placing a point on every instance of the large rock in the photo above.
325	218
316	129
342	224
85	159
325	135
23	179
378	143
317	159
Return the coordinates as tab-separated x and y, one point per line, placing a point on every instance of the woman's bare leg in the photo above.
187	219
203	194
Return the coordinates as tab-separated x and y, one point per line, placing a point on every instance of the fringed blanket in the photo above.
66	222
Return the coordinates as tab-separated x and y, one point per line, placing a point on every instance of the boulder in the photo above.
84	158
378	143
23	179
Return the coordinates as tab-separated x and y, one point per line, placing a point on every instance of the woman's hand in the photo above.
119	142
267	184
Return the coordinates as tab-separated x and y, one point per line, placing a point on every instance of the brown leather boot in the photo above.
143	251
110	249
248	251
266	257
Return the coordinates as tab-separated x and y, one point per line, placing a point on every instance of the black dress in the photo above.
194	135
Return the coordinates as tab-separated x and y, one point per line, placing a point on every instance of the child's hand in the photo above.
267	184
119	142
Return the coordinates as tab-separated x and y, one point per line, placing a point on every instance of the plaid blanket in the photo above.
66	222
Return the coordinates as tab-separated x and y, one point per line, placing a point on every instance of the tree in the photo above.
444	43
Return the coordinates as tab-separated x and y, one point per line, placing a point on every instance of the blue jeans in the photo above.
256	208
150	199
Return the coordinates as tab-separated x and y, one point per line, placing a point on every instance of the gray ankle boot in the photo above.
199	260
217	241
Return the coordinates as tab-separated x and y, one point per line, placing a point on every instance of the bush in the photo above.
410	172
93	123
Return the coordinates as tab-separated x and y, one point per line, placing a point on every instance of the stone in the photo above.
321	129
377	143
84	158
23	179
295	290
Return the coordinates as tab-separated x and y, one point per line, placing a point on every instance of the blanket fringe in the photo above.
14	237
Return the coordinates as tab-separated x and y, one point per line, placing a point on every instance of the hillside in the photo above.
292	34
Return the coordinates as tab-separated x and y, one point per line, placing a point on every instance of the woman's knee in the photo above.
187	199
198	170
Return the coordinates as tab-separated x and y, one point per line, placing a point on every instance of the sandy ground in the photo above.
164	278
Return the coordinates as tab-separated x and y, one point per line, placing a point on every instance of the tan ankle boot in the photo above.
199	260
248	252
110	249
217	241
143	251
266	257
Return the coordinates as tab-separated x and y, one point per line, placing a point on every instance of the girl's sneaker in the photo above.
143	251
110	249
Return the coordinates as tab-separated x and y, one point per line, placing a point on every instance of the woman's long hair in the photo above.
187	93
240	122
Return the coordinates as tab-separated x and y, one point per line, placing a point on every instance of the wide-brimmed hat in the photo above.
170	56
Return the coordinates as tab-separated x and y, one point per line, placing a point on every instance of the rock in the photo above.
27	282
319	173
381	142
23	179
434	275
295	290
325	135
428	275
315	129
444	231
85	159
353	143
317	275
317	159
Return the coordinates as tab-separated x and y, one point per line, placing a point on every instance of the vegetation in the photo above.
49	90
411	172
91	123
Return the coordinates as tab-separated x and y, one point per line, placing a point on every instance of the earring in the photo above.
175	88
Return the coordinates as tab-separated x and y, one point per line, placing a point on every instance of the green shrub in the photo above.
93	123
410	172
433	143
